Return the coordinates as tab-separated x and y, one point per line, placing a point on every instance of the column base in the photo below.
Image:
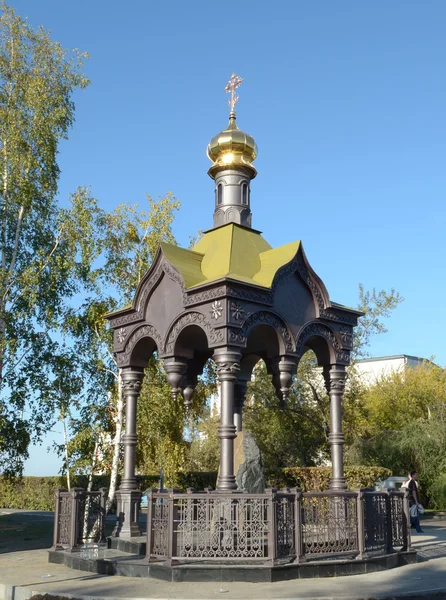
226	484
128	505
337	483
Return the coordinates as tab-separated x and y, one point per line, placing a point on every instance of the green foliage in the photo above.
376	306
38	271
316	479
204	448
162	422
285	435
38	493
406	427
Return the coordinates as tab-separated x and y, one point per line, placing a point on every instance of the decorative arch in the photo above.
266	317
214	336
338	354
143	331
153	277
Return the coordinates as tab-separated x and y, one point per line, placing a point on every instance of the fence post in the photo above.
389	521
360	517
103	504
406	522
172	532
56	545
298	530
272	529
76	494
149	538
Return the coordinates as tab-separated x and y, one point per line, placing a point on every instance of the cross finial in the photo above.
233	84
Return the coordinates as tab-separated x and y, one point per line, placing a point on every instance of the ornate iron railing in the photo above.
275	527
271	528
213	526
79	518
329	524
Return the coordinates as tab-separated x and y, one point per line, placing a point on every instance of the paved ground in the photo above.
23	573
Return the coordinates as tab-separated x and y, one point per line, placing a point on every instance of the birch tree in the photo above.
37	271
127	240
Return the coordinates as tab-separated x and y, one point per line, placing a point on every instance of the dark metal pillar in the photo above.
228	367
128	496
335	382
239	401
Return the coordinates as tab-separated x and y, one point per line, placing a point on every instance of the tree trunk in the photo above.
65	443
116	446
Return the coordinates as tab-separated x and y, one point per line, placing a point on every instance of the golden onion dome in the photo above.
232	148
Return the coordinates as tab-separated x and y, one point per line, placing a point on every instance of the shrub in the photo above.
37	493
316	479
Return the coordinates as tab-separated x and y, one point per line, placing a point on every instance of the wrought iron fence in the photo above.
270	528
275	527
213	526
79	518
376	522
329	524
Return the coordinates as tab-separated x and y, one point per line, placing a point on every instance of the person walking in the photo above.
414	501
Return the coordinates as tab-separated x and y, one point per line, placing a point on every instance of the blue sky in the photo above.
345	99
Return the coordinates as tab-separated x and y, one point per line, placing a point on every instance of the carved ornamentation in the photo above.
337	385
126	319
303	272
216	309
214	336
320	329
237	311
138	334
155	277
338	316
132	385
346	337
121	335
236	336
227	368
268	318
259	298
283	273
205	296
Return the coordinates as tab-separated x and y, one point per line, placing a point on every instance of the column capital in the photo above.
131	379
228	363
335	378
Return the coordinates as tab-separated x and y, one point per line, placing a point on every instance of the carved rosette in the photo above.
237	311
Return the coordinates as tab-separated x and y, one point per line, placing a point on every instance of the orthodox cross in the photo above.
233	84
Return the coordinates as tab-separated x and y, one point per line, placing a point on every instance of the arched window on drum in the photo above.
245	193
220	193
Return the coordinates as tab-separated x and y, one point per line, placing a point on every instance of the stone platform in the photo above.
127	558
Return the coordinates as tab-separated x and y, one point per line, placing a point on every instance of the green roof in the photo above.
231	251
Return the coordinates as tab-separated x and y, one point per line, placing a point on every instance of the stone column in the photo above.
228	367
128	496
335	382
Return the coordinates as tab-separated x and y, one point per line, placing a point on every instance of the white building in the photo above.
372	369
